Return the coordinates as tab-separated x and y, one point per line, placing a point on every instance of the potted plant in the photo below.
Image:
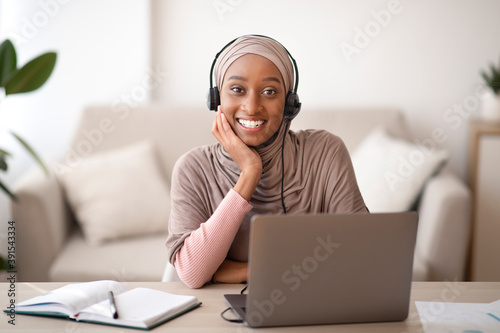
491	99
14	80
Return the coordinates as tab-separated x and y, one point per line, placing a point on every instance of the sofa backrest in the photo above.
176	131
352	125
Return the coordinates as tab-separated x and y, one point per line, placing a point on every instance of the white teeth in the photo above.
251	123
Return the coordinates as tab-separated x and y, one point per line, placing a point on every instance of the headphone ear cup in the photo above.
213	99
292	106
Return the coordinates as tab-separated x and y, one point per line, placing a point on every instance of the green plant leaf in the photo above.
32	75
6	190
3	163
494	72
485	77
3	159
4	152
4	264
32	152
8	60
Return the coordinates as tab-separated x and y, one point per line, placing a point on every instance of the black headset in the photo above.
292	103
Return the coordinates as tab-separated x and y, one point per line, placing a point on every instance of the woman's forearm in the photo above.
205	248
232	272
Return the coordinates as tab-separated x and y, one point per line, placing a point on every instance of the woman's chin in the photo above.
256	141
253	142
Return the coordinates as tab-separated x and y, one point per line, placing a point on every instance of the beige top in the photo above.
318	178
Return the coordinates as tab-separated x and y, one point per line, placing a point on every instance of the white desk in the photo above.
207	317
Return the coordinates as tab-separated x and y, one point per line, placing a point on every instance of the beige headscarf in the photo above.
260	45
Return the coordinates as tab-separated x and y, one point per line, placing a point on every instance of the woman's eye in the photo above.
269	92
236	89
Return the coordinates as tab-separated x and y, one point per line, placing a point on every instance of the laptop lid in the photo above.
330	268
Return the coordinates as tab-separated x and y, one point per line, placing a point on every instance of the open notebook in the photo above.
140	308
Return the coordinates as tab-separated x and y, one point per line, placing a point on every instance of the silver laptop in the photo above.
328	269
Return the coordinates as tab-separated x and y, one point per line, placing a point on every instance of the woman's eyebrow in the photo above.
241	78
236	77
272	78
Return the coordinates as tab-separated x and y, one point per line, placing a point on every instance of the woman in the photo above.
259	166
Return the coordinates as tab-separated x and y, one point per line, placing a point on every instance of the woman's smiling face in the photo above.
253	98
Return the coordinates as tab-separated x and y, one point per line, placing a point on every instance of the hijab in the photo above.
259	45
278	55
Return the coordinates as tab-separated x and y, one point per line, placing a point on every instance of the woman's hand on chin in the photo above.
231	272
247	158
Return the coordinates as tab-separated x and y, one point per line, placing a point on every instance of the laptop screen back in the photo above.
323	269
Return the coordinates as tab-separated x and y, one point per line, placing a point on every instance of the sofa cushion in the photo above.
391	172
118	193
132	259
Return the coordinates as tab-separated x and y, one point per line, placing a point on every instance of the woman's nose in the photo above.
252	103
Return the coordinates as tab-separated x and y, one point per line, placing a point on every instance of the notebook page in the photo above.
141	307
74	297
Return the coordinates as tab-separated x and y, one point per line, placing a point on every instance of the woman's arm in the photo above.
232	272
203	252
205	249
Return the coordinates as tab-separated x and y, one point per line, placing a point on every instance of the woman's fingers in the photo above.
216	128
225	124
225	128
223	131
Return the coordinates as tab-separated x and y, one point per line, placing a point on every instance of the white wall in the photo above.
103	53
424	59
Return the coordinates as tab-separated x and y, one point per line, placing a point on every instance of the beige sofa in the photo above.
51	246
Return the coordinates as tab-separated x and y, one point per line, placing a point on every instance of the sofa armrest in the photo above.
43	221
444	226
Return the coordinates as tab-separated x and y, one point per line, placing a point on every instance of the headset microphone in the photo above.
292	102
